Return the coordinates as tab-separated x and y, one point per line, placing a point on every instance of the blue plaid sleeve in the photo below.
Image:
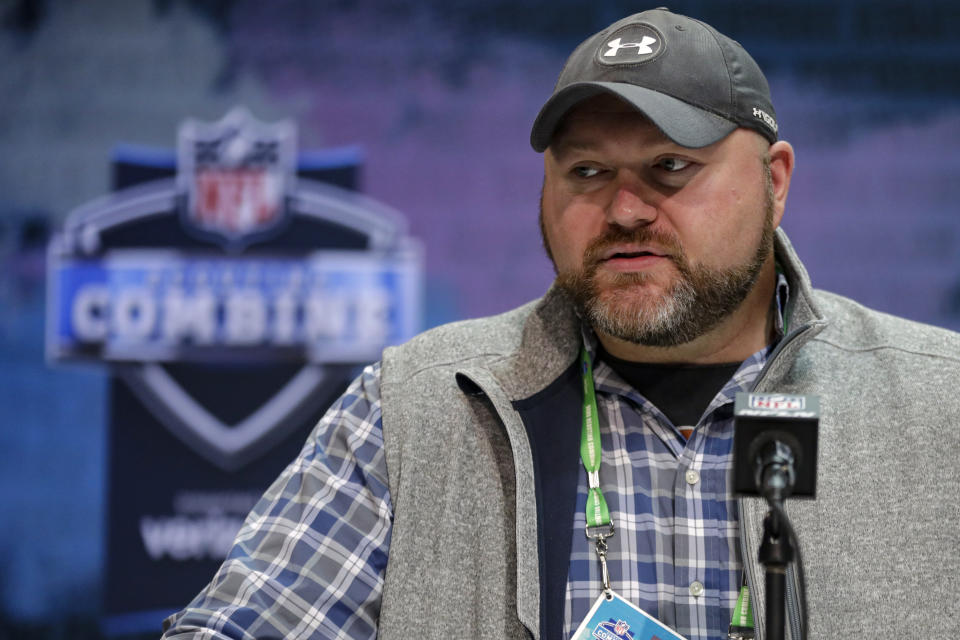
310	558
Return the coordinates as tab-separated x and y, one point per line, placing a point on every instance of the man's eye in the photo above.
585	172
673	164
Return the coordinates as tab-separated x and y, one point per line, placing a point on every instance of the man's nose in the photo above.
631	207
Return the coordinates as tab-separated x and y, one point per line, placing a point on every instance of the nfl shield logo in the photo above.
235	174
621	627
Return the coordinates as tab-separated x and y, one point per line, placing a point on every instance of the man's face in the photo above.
657	243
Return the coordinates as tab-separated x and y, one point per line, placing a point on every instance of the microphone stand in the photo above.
775	554
776	477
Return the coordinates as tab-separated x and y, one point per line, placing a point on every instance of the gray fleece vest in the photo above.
881	543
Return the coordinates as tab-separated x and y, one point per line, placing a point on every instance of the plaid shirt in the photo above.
309	561
311	557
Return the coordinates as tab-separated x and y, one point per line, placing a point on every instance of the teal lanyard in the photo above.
599	526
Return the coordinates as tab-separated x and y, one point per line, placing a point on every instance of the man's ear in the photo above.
782	161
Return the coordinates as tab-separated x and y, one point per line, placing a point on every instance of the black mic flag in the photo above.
775	445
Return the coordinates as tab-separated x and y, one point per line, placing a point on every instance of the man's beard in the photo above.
696	302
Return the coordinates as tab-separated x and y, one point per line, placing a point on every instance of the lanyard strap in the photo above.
590	451
741	624
599	525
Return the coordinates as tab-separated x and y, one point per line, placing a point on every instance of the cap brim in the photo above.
683	123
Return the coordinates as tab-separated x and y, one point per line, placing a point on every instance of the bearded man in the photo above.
449	490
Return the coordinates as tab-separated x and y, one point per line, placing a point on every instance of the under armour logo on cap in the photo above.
642	47
630	45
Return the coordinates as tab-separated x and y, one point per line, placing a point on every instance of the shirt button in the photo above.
692	476
696	588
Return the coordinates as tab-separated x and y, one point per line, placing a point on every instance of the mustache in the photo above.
668	242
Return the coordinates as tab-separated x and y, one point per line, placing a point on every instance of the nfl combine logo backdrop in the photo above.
233	287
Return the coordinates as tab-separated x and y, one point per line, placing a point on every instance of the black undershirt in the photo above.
681	391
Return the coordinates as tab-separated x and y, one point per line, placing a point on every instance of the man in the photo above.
444	493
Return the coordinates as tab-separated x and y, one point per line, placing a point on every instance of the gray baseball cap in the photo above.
696	84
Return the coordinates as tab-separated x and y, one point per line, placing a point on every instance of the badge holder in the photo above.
612	617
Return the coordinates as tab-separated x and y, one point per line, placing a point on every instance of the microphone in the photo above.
774	466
